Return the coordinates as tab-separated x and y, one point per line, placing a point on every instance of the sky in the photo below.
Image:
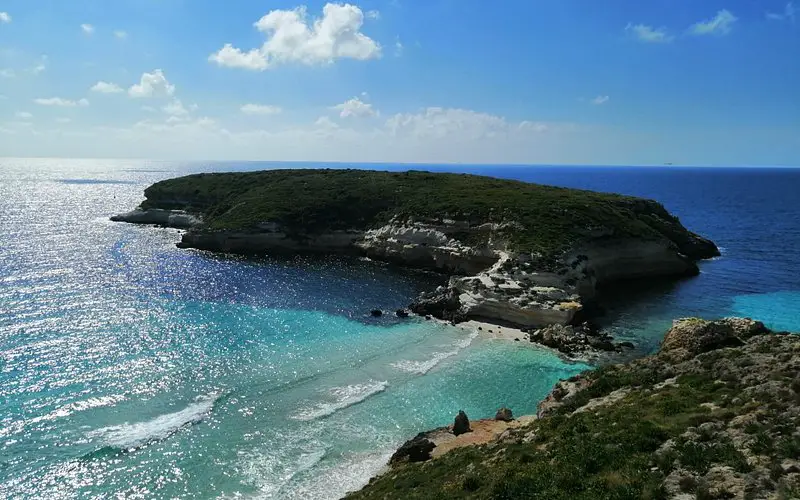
612	82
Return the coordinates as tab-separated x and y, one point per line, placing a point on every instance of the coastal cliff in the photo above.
517	253
714	414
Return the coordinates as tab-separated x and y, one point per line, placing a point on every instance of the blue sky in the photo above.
536	81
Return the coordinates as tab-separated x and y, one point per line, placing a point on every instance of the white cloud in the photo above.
7	73
789	13
175	109
5	17
355	108
438	122
121	34
87	29
291	38
373	14
23	115
260	109
41	67
57	101
398	48
153	84
721	24
649	34
601	99
107	88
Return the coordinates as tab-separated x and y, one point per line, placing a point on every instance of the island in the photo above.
517	253
714	414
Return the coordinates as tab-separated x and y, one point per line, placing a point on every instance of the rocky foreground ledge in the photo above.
517	253
714	414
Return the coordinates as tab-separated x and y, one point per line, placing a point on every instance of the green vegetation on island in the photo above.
545	219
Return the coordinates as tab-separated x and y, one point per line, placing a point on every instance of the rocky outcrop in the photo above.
461	424
714	414
504	414
572	340
416	449
170	218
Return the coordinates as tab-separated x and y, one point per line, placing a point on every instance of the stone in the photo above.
401	313
461	424
626	345
417	449
376	313
689	337
504	415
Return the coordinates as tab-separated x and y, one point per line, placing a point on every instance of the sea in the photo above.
132	369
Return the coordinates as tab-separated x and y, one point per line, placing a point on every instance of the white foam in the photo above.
139	434
423	367
343	397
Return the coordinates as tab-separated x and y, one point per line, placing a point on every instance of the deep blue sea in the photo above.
130	368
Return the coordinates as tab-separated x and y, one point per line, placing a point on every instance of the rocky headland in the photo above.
714	414
518	254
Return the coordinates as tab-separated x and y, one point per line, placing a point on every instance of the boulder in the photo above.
401	313
417	449
689	337
504	414
744	328
461	424
376	313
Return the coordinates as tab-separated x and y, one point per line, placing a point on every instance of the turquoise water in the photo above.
131	368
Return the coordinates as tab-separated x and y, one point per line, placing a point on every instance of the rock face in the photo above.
461	423
714	414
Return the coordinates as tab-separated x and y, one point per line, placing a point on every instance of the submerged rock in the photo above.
401	313
376	313
461	423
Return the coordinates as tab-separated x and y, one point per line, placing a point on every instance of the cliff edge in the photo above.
518	253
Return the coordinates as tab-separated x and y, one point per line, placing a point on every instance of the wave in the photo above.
131	436
344	397
423	367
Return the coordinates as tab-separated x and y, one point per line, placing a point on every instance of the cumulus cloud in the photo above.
5	17
293	38
721	24
601	99
153	84
789	13
373	14
87	29
648	34
355	108
64	103
260	109
106	88
121	34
